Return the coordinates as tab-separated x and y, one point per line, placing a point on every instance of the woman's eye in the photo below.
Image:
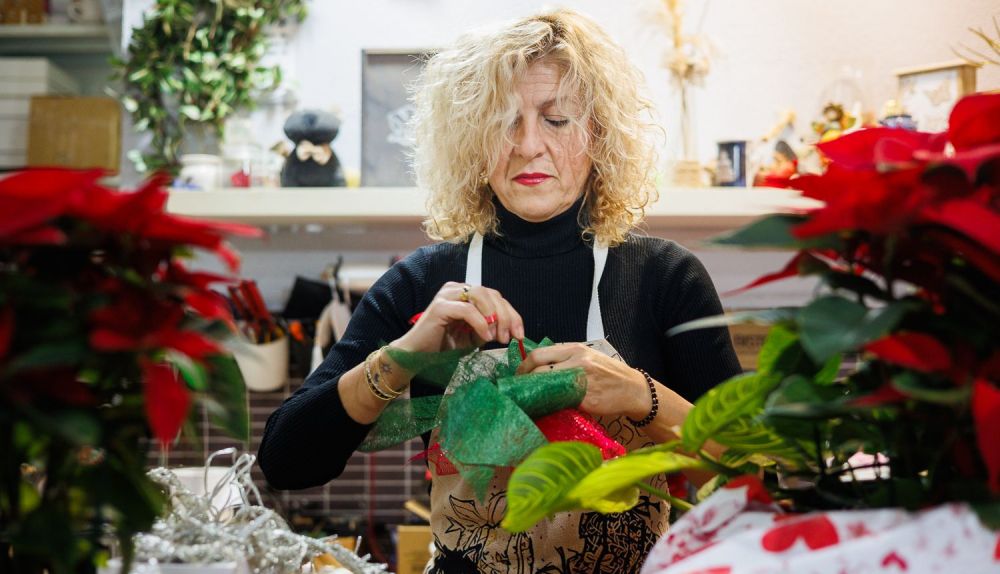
557	122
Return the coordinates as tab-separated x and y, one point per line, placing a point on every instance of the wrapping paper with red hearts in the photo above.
738	531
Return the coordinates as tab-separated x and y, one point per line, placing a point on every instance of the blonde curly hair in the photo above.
465	103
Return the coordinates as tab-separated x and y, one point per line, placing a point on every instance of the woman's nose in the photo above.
528	140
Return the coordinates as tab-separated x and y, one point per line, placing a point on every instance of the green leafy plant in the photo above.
193	63
898	356
106	340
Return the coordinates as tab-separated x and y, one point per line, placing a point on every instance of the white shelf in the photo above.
713	207
23	39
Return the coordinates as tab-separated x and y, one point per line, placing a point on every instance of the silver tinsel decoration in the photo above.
195	532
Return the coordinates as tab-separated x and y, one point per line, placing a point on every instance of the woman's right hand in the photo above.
462	315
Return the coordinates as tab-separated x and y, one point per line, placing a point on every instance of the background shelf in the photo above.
42	39
713	207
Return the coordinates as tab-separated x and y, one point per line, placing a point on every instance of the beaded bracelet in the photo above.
384	394
656	403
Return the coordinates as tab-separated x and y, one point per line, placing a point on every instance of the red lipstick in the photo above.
531	178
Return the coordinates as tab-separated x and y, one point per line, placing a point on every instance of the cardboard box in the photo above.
23	11
77	132
412	548
747	340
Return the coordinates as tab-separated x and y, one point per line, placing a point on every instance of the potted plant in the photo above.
106	338
192	64
906	245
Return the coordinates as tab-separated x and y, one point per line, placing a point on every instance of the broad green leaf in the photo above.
753	437
734	458
29	497
769	231
833	324
761	317
192	112
617	501
778	341
538	485
709	487
615	479
827	374
740	397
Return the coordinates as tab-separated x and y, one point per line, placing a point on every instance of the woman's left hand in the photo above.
613	388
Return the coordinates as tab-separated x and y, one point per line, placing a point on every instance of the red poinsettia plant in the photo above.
106	340
906	245
896	359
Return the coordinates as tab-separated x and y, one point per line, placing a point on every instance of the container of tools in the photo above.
262	350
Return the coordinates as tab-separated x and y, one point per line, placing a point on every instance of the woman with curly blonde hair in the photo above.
533	144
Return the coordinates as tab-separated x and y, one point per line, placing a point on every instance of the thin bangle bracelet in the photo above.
383	385
656	403
373	387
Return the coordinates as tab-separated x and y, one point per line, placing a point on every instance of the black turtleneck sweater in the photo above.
545	271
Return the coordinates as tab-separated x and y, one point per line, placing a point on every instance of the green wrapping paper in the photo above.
485	412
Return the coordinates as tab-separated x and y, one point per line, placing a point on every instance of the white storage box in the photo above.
26	77
21	78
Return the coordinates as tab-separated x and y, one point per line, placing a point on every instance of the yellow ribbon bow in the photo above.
306	150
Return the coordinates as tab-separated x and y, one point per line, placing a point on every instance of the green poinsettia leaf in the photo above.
614	481
738	398
761	317
770	231
800	392
854	284
50	355
75	426
923	388
192	372
833	324
988	513
225	384
538	486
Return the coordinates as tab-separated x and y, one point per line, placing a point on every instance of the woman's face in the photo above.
542	170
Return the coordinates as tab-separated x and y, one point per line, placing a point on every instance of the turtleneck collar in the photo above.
520	238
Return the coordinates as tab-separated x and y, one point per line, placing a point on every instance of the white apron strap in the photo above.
595	324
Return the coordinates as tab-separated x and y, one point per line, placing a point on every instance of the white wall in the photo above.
773	54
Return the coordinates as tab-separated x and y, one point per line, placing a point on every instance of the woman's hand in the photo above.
462	315
613	388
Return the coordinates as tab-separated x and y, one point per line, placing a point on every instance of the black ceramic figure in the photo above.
312	163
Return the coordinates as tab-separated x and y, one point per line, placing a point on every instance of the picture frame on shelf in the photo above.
928	93
385	114
731	166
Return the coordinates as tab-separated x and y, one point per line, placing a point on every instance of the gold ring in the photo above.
464	295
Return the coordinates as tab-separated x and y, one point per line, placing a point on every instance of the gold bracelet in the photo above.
383	392
372	387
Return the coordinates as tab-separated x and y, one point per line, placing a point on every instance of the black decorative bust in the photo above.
312	163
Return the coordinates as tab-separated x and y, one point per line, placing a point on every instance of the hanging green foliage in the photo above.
193	63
